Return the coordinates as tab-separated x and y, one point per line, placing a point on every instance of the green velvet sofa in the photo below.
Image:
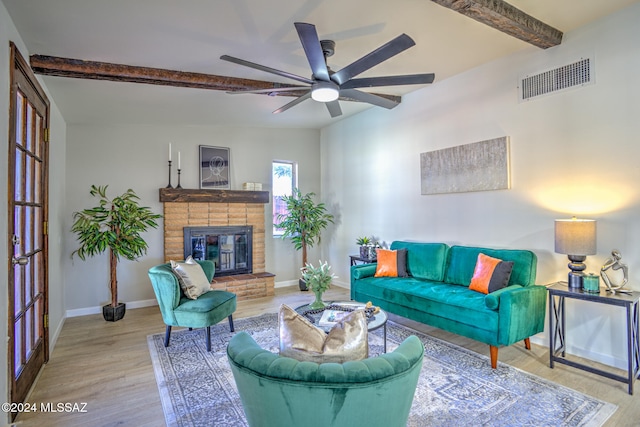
278	391
436	293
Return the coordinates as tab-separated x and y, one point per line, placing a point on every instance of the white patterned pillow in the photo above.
191	277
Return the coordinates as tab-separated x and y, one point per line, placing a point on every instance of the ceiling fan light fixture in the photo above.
326	86
325	91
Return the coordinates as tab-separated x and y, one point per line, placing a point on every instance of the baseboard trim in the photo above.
286	283
77	312
53	338
616	362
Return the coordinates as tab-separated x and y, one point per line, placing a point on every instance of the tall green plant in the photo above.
114	224
304	221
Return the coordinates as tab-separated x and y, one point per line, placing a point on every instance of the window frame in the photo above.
277	232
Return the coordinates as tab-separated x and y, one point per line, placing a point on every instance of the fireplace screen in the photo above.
229	248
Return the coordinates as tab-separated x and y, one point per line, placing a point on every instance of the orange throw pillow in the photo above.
391	263
490	274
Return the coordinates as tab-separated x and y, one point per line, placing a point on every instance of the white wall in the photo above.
9	33
572	153
130	156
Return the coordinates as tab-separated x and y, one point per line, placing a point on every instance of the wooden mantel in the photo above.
212	196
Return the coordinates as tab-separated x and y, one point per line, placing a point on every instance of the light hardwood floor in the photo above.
107	366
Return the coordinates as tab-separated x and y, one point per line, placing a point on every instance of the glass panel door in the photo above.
27	197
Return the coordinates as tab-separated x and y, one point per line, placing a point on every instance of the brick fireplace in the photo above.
211	208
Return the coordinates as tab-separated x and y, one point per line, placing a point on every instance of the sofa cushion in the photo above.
462	263
455	303
424	260
362	271
205	302
391	263
490	274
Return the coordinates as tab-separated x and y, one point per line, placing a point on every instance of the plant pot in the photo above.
303	285
371	252
113	314
364	252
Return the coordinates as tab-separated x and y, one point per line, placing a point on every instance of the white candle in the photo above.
178	160
169	151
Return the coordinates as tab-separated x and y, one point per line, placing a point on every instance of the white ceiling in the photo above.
190	35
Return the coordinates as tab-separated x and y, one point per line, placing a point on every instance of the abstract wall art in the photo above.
480	166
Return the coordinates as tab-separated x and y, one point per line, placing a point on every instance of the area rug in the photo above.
457	387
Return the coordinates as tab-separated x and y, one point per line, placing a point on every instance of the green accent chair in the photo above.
178	310
279	391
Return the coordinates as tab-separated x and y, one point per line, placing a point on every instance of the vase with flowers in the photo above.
318	280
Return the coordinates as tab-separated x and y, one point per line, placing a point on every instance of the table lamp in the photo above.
576	238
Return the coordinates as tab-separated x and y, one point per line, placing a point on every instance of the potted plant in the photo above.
371	249
318	279
113	224
367	247
303	223
363	242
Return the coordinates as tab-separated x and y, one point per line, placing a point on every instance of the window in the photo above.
284	178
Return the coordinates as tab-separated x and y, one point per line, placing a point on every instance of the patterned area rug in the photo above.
456	386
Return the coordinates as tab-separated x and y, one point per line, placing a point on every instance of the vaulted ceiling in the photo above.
191	35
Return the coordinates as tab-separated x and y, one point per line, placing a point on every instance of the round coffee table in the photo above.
376	321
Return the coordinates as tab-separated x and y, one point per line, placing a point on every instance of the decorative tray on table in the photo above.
333	313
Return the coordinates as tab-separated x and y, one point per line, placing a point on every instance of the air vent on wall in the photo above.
569	76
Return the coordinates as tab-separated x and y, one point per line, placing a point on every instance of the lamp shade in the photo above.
575	236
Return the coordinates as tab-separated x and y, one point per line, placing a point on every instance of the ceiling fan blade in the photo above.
266	69
271	90
334	108
381	54
311	44
410	79
368	97
293	103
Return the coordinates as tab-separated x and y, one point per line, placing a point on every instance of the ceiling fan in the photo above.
326	85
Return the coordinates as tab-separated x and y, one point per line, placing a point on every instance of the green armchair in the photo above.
178	310
279	391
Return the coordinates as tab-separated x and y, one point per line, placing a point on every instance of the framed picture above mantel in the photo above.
214	168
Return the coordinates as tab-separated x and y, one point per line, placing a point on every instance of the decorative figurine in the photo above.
614	263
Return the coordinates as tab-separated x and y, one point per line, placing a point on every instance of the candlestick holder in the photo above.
169	185
179	186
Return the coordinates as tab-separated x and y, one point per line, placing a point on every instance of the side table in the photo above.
357	258
558	292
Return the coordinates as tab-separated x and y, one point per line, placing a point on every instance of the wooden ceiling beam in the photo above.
94	70
504	17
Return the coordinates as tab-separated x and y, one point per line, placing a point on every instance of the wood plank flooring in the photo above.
108	367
